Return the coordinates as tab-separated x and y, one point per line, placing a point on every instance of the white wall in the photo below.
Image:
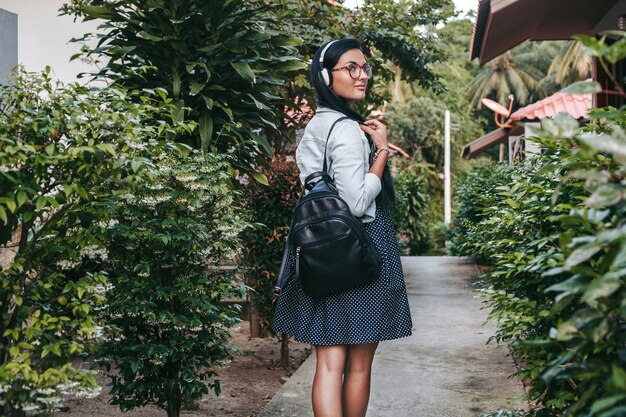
43	37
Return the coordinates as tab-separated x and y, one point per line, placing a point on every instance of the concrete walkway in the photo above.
444	370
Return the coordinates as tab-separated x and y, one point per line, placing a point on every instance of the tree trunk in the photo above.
174	401
284	350
256	329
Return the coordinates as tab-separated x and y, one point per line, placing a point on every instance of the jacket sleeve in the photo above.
349	164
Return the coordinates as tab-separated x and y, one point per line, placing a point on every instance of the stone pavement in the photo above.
444	370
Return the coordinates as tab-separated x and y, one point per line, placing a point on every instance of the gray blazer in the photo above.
347	157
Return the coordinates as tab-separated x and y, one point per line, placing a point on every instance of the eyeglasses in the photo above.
355	70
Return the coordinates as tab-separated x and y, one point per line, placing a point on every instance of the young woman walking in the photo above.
345	327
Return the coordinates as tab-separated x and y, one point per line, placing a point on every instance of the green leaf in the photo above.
21	198
206	130
581	255
195	88
244	70
145	35
286	40
618	377
582	87
607	402
606	195
9	203
261	140
98	12
260	177
208	101
40	202
50	149
3	215
616	52
292	66
615	412
600	289
106	147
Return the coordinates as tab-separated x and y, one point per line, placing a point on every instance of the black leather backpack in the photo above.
332	251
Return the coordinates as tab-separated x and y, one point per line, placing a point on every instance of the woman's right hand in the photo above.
377	131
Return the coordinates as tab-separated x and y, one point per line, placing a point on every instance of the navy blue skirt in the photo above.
372	313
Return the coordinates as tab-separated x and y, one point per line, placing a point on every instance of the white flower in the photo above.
66	264
186	177
94	252
153	201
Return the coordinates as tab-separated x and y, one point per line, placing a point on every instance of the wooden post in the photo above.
284	350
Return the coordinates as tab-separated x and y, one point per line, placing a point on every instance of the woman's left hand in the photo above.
377	131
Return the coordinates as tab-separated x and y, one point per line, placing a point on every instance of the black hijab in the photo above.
327	98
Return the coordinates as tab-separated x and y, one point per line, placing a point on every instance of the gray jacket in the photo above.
347	157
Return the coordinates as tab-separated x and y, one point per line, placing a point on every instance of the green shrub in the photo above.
165	237
57	146
554	233
413	213
222	60
273	207
474	196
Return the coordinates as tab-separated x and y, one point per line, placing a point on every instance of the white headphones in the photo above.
324	72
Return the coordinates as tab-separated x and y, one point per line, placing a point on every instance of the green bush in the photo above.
413	213
57	146
222	60
273	207
474	196
165	236
553	232
556	235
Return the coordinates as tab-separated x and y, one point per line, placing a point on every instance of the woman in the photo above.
345	328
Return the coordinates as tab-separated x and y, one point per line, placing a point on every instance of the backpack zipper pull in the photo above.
298	262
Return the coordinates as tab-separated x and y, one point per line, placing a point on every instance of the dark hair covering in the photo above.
327	98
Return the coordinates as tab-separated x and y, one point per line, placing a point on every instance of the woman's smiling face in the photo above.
351	89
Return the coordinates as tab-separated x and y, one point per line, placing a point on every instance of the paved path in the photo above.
444	370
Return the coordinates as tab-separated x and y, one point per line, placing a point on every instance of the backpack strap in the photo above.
280	280
325	167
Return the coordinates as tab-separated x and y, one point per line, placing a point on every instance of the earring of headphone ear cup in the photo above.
325	76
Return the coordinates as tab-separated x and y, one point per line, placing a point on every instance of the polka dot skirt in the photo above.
371	313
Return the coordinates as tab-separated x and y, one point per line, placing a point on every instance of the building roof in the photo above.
494	137
576	106
503	24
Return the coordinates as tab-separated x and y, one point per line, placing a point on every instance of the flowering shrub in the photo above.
57	145
165	235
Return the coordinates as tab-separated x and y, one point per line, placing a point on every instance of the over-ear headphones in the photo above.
324	72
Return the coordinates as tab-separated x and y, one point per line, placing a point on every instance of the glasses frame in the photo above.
361	70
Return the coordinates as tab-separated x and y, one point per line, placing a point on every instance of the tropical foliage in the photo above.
273	207
57	145
553	230
166	235
222	60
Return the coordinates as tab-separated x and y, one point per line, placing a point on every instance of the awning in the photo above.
503	24
490	139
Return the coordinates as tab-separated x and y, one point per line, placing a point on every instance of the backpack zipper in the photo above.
358	228
298	262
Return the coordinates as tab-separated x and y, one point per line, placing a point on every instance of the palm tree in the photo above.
571	64
502	77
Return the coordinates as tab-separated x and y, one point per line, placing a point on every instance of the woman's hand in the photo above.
377	131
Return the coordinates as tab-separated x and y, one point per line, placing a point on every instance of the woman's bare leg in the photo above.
357	377
327	383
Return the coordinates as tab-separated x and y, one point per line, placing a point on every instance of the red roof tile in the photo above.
576	106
